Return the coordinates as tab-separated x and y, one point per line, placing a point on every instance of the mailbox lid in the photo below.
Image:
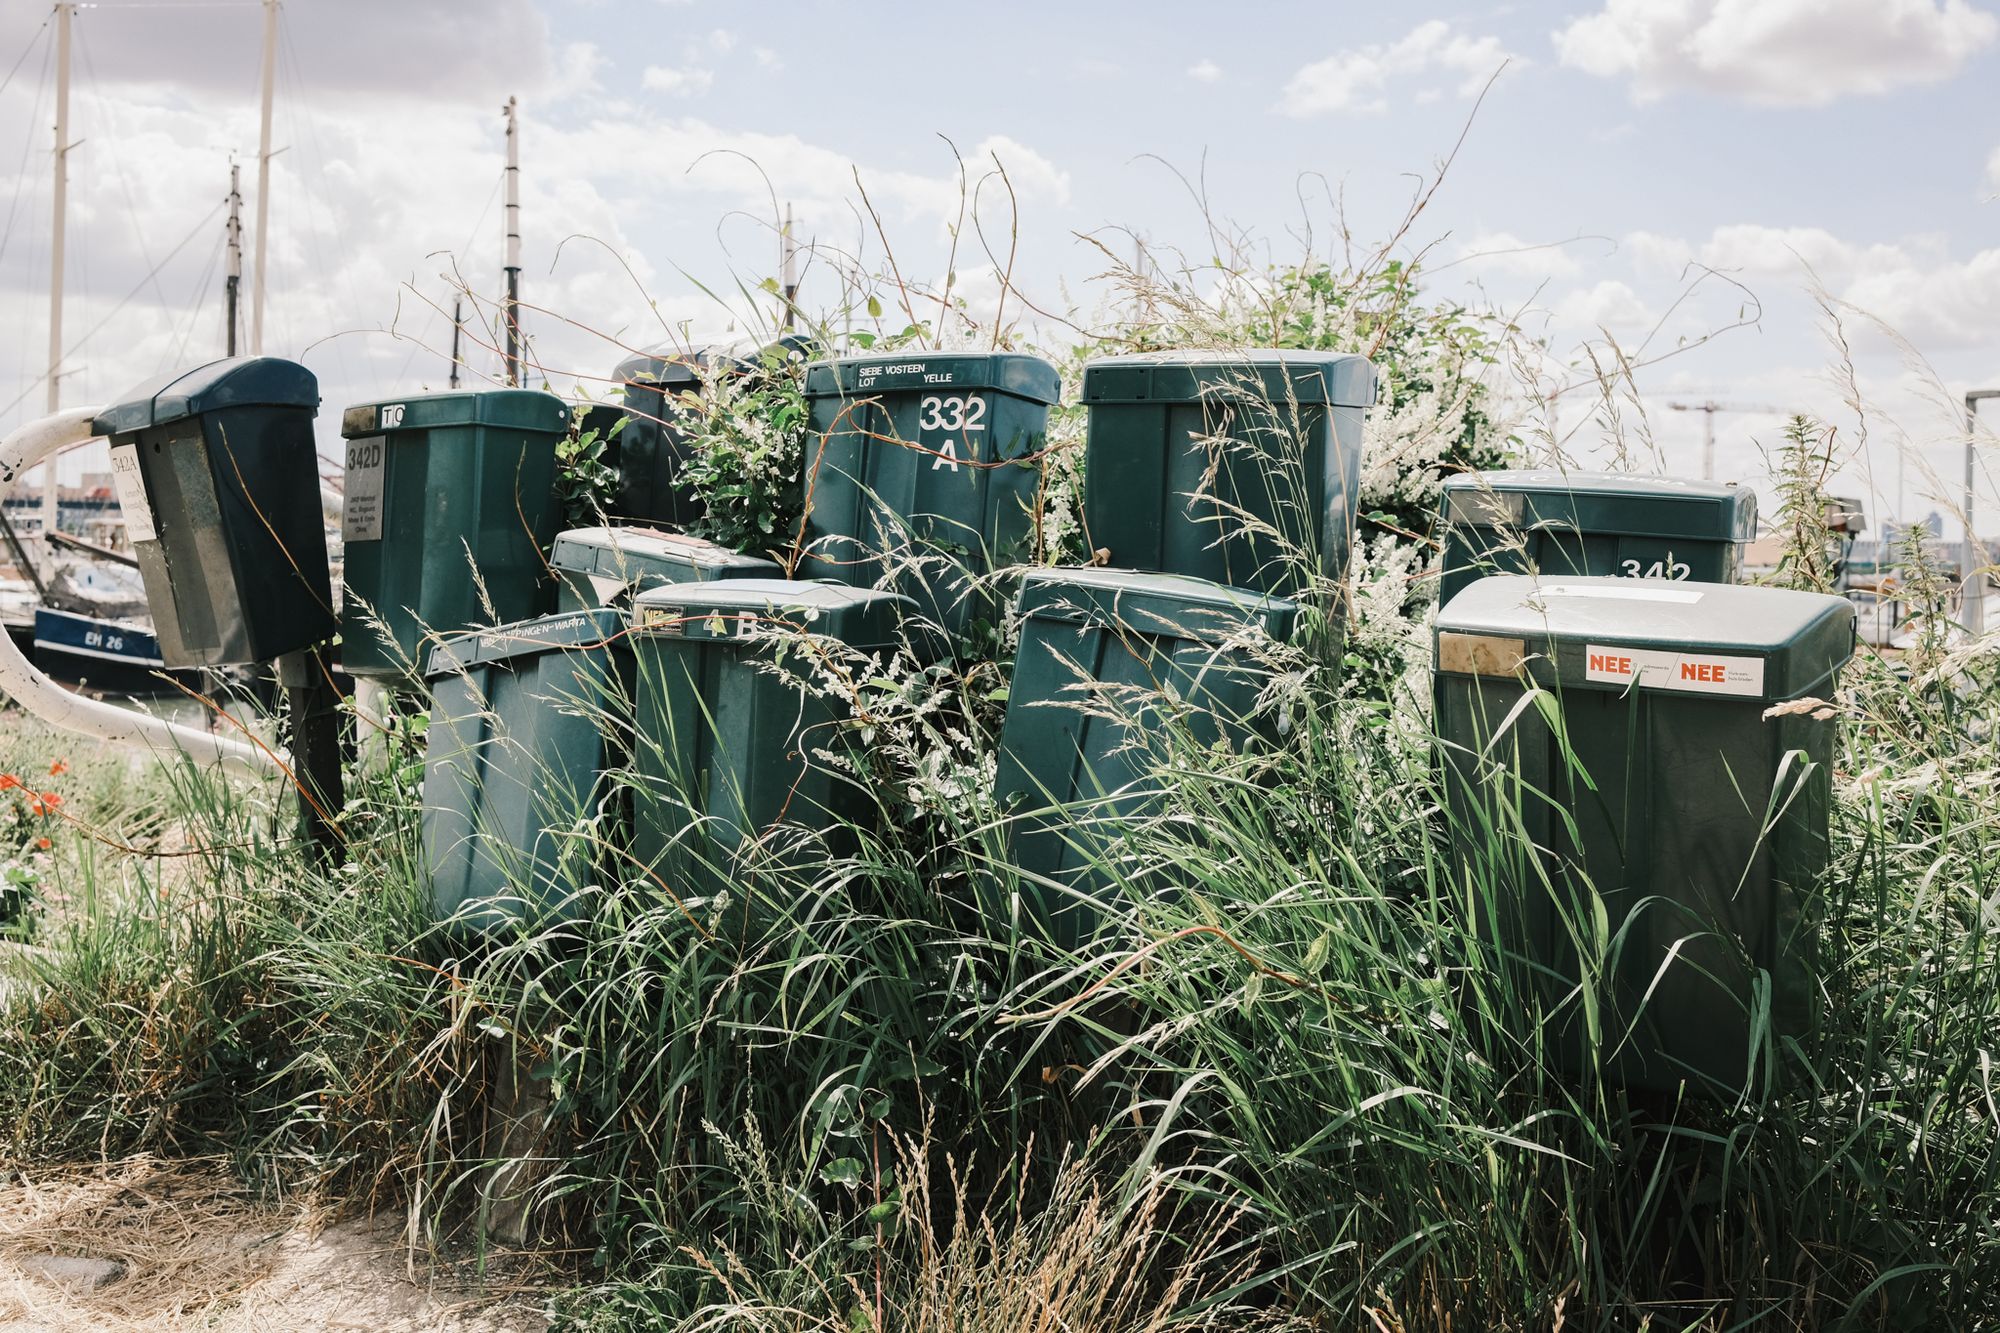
598	627
1161	604
242	381
1708	639
517	409
1015	373
862	618
680	366
1276	375
633	553
1608	502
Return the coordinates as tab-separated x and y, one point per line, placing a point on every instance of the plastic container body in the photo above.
445	495
1098	650
1645	810
923	473
525	724
1240	468
1592	523
726	746
218	479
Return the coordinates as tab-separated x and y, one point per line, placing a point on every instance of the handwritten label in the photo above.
130	486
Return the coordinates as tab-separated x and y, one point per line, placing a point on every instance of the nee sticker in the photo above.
1689	672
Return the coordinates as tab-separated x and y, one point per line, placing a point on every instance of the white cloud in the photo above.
1609	304
1358	79
1033	176
577	68
722	40
767	58
689	82
1204	71
1504	252
1914	286
1777	52
1993	170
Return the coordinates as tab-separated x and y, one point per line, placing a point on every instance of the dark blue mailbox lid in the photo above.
243	381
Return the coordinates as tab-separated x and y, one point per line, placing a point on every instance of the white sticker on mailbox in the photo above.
361	500
131	490
1620	593
1693	672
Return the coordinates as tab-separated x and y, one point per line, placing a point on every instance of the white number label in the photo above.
1668	568
361	506
93	638
392	416
951	414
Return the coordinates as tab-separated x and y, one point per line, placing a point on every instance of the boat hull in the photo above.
104	656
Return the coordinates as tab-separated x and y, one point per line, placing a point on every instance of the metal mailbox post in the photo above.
217	476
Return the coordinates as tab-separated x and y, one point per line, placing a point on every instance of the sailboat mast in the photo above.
264	176
232	286
51	502
510	312
788	271
64	12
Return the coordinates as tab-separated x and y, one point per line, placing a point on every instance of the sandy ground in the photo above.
177	1246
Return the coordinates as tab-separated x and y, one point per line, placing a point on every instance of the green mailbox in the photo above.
725	746
446	494
1663	813
1101	651
1616	524
524	727
217	475
605	566
649	450
923	472
1238	467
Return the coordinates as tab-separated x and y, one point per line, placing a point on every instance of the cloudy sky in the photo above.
1648	170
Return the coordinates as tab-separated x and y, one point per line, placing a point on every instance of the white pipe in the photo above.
33	690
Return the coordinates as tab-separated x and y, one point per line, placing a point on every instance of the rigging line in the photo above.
300	112
117	165
33	38
27	147
437	311
98	327
173	358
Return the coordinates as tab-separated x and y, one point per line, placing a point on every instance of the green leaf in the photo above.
847	1171
874	307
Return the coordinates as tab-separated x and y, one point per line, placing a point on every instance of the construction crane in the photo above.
1708	408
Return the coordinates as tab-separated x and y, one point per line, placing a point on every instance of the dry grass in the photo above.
198	1253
